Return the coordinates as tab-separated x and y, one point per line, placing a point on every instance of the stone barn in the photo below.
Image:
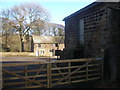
94	31
91	30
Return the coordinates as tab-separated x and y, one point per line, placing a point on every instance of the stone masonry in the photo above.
97	33
101	33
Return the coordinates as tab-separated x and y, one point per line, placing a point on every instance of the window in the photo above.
42	52
39	45
81	31
56	45
51	50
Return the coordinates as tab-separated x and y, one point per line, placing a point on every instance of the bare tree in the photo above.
55	29
27	18
39	27
6	31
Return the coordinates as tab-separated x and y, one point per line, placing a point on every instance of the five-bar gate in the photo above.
50	73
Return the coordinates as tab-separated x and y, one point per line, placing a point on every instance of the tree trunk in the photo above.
21	44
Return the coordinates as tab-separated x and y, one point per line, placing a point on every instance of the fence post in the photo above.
87	72
2	79
49	74
26	74
69	64
102	61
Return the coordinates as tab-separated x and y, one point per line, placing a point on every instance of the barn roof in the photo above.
48	39
82	10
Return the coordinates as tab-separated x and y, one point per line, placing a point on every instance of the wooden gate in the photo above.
50	73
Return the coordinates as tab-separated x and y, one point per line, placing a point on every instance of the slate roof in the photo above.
48	39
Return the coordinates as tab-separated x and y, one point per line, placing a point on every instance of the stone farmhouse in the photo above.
47	45
91	30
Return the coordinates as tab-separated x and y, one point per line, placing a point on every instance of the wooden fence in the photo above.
50	73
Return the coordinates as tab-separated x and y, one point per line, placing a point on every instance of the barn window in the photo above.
81	31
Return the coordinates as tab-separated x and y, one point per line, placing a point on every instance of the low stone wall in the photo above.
17	53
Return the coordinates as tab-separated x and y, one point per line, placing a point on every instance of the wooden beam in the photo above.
67	77
52	61
26	74
71	73
29	80
49	75
35	70
60	73
37	73
21	64
69	65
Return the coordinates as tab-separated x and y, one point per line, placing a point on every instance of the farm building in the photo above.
92	29
47	45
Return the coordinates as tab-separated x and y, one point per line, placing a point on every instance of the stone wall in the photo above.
112	54
17	53
71	38
71	33
47	49
101	31
97	32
